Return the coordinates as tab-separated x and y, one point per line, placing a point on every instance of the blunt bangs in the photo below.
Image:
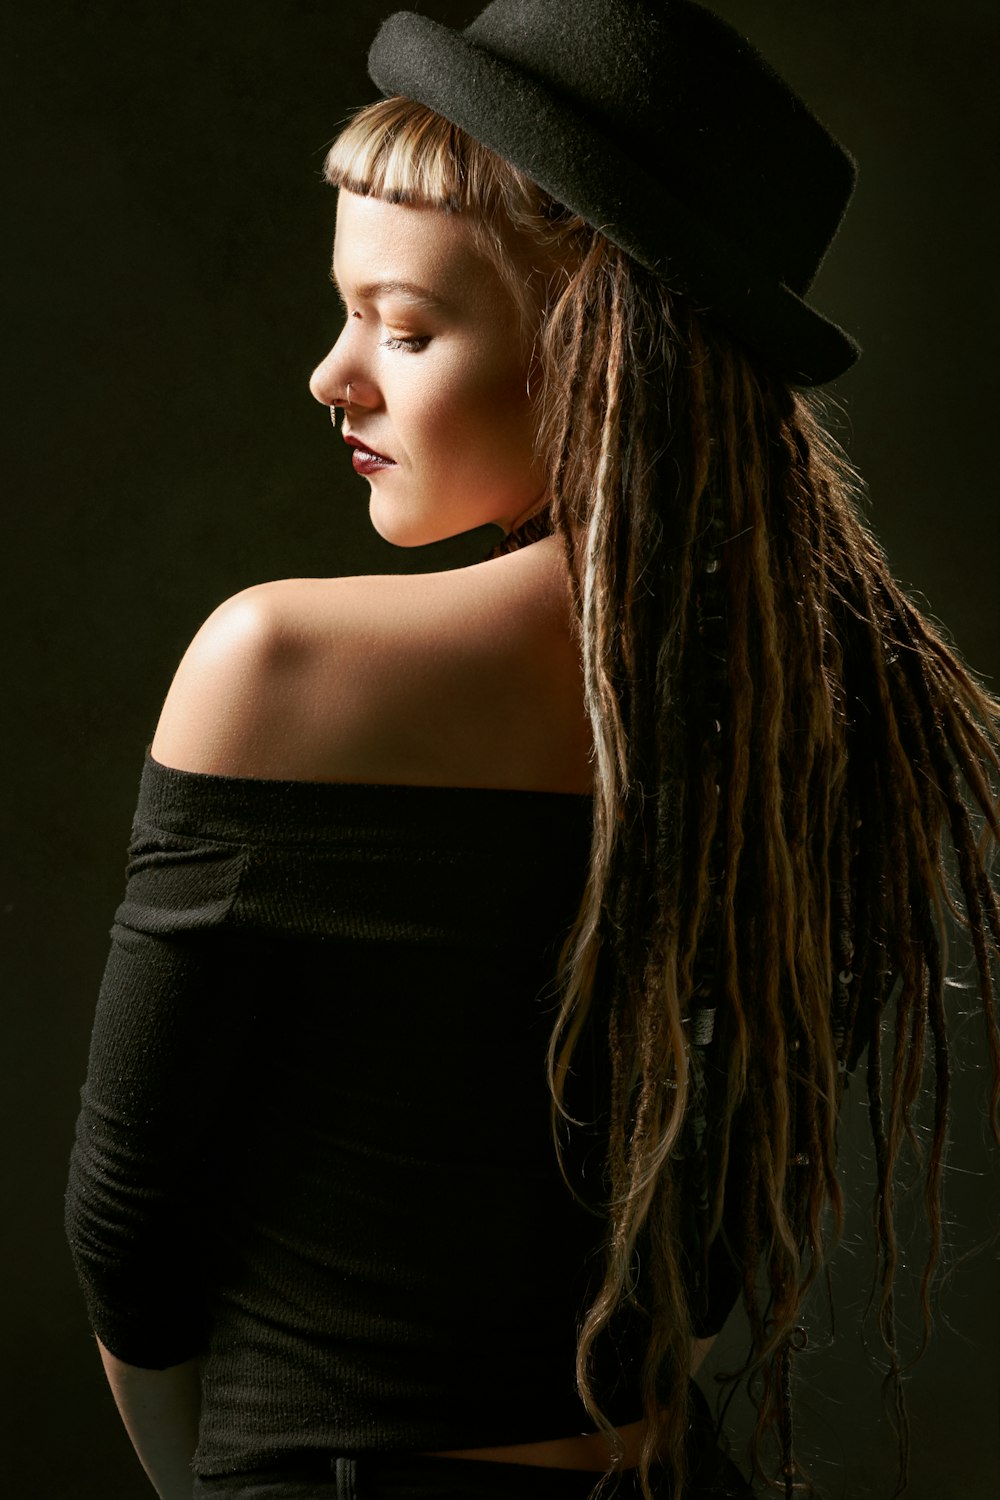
401	151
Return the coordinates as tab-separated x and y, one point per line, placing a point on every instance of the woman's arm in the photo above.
151	1150
160	1410
699	1350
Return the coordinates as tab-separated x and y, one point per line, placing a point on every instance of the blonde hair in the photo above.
404	153
784	750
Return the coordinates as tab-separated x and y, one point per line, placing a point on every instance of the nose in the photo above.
328	383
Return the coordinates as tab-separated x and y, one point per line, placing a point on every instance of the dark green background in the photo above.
165	276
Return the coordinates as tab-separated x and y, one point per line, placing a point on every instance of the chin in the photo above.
411	533
410	536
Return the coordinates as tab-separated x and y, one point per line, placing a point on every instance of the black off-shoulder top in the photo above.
314	1147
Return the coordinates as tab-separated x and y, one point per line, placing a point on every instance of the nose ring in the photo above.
344	401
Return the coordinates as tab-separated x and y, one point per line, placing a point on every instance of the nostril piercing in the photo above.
344	401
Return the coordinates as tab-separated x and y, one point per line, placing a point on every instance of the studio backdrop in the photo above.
167	254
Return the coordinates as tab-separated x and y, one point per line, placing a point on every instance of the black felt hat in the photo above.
661	126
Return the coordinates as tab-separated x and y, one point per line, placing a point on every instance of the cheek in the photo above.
481	405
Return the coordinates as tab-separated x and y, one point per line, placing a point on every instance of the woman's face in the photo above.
433	349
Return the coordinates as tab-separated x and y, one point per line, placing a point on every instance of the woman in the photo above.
659	792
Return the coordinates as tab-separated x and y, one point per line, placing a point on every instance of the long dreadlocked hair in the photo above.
785	749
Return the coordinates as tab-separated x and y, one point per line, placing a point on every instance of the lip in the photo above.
367	463
356	443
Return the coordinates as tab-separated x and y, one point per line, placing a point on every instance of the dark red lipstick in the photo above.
366	460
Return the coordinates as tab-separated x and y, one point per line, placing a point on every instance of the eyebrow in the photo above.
408	289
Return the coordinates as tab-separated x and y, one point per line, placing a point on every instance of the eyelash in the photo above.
407	346
410	346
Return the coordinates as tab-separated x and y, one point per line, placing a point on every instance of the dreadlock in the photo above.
772	799
786	753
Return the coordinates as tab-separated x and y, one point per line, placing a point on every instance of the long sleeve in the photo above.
144	1167
314	1147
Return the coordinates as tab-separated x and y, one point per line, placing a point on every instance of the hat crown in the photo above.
662	127
598	53
695	103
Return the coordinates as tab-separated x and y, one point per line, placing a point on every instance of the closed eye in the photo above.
411	345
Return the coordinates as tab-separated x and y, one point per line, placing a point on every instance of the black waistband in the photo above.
337	1476
331	1476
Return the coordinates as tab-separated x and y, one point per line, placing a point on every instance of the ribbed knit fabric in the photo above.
314	1145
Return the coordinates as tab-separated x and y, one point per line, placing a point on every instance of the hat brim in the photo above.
557	146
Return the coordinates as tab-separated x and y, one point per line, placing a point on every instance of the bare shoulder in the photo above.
223	700
468	677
